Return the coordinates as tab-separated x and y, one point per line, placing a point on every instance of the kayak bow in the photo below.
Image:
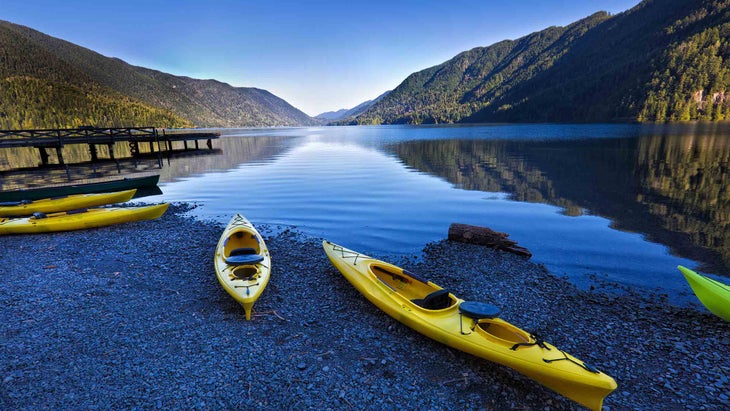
714	295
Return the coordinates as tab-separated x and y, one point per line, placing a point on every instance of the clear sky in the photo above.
318	55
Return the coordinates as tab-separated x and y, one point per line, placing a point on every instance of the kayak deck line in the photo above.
347	253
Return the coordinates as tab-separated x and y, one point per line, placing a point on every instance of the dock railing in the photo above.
43	139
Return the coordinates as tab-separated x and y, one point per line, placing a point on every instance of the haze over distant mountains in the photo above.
353	112
660	61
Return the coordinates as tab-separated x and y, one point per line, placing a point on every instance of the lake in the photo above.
622	203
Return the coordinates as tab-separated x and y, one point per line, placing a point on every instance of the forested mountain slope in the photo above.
48	82
661	60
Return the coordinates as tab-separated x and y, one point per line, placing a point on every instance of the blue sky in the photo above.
318	55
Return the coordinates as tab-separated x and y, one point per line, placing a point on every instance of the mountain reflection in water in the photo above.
672	189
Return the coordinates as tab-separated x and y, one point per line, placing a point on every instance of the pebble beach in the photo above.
132	317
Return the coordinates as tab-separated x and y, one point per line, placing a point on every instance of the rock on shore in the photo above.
132	316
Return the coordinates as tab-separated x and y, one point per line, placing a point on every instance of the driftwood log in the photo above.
472	234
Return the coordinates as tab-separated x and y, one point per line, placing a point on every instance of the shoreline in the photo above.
133	316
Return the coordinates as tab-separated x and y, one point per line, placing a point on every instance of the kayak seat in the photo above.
436	300
242	251
476	310
243	256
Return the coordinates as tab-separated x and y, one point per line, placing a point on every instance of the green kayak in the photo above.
712	294
120	184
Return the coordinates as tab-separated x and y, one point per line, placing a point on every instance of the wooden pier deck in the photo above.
93	136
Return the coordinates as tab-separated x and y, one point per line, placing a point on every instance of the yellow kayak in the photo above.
712	294
79	219
242	262
471	327
65	203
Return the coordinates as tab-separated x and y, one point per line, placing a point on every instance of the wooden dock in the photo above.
93	136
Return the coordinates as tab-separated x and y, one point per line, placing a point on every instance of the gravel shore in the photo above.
132	317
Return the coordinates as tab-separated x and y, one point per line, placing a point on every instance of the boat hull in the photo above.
82	219
714	295
65	203
244	278
394	290
126	183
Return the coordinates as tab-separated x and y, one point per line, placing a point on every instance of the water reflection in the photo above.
390	189
20	167
673	189
235	151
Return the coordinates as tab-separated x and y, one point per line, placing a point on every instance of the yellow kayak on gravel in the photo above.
714	295
64	203
472	327
79	219
242	262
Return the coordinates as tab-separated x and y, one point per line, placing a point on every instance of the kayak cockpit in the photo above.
503	332
245	273
437	300
241	239
485	321
420	292
242	248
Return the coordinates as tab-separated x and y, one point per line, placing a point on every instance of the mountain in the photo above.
663	60
48	82
344	114
332	115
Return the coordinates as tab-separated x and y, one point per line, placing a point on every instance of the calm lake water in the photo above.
625	203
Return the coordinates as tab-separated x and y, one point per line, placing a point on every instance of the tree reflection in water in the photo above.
673	189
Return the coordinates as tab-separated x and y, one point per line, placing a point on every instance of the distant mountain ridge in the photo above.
661	60
332	115
344	114
48	82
